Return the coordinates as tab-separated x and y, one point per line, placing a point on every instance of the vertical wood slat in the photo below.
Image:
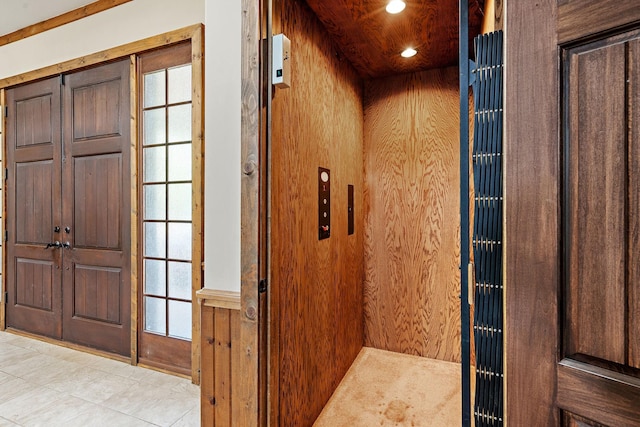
3	225
633	249
221	374
236	372
222	366
197	191
133	153
207	390
531	205
247	391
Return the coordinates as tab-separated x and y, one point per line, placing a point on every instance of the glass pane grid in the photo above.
166	202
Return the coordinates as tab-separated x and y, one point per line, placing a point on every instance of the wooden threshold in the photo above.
60	20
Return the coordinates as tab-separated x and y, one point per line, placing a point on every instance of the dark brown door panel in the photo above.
33	208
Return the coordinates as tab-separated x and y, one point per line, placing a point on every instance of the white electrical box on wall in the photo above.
281	72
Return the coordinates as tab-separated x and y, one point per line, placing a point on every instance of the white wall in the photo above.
123	24
223	91
140	19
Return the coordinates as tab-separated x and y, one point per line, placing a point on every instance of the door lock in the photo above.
55	244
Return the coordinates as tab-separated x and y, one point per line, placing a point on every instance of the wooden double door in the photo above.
68	208
573	213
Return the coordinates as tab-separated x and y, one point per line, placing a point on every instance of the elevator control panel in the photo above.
324	203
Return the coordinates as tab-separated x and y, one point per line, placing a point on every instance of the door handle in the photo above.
66	245
55	244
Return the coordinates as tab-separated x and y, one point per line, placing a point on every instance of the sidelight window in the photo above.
166	202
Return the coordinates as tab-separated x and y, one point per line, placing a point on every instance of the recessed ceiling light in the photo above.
408	52
395	6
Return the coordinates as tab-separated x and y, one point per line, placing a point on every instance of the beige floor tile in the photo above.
4	377
27	365
99	387
10	355
56	412
14	388
158	406
100	416
22	406
48	370
6	423
190	419
186	386
49	385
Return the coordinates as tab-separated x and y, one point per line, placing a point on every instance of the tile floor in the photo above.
43	384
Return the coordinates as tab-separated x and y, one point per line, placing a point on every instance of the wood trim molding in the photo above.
599	394
176	36
3	209
133	93
60	20
197	191
583	18
246	387
219	299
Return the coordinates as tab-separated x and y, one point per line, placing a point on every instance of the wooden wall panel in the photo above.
220	333
633	214
412	234
531	179
596	295
582	18
317	284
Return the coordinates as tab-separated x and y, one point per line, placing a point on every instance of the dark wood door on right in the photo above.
601	232
572	213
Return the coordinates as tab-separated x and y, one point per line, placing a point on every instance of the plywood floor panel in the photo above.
384	388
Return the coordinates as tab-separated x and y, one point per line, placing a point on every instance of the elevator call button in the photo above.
324	203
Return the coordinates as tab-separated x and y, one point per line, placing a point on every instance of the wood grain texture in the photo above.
246	394
598	394
34	177
197	192
572	420
65	18
221	299
136	47
220	337
596	294
582	18
531	179
633	214
103	158
207	374
133	196
318	316
222	366
412	208
3	220
372	39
